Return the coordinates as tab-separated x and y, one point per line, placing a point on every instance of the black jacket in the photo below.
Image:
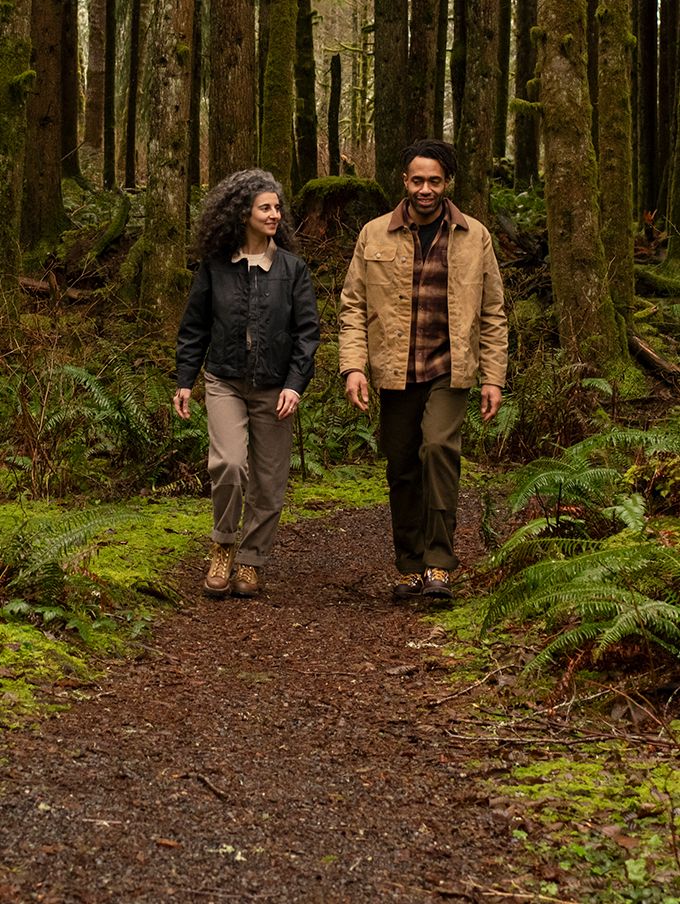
278	307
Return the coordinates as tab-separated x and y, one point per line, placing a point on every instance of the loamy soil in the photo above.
275	750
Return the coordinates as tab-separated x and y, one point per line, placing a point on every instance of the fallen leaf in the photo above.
167	842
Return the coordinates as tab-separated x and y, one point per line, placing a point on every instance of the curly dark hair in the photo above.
441	151
221	226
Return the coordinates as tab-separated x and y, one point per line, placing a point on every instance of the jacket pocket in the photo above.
379	261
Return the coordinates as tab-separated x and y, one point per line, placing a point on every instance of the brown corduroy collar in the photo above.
451	214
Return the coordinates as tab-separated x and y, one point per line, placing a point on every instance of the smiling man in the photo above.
421	314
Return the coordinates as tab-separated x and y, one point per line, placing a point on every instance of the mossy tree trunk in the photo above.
279	101
440	84
233	84
334	116
94	98
474	145
391	62
360	68
673	218
305	89
165	278
502	96
422	69
589	332
616	151
16	80
70	91
194	169
526	121
132	96
593	67
647	58
668	70
263	20
43	215
458	62
109	128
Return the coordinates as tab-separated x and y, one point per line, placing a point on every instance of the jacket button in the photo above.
378	254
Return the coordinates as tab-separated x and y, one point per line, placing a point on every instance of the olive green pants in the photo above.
420	436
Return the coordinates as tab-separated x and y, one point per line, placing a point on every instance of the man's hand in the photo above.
287	403
356	389
181	402
491	401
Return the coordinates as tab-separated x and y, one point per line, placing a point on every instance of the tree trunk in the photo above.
422	69
279	103
194	170
391	62
70	90
231	127
474	146
16	80
133	90
440	84
504	33
94	98
263	19
334	116
647	105
305	87
673	219
668	65
110	96
165	278
43	215
526	121
458	62
587	323
593	66
615	143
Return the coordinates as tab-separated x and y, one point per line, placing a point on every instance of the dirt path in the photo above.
276	750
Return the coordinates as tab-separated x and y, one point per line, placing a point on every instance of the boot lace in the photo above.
221	562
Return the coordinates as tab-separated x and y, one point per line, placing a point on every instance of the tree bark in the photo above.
305	87
334	116
70	90
422	69
647	106
593	66
194	170
132	97
589	333
440	84
458	62
165	278
16	80
474	147
94	98
263	19
502	96
526	122
668	65
231	127
616	154
279	102
673	220
391	62
43	215
110	95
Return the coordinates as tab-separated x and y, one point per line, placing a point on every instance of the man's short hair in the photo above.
441	151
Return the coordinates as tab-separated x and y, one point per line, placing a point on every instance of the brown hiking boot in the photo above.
408	585
217	579
437	582
246	581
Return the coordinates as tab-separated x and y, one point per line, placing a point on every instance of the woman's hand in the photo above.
287	403
181	402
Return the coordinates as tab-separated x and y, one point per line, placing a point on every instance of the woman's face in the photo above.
264	218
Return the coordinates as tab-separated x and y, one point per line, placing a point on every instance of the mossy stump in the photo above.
326	207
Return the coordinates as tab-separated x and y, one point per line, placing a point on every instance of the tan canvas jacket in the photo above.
375	304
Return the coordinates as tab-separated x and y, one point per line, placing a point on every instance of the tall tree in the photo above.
279	103
109	128
231	127
593	65
587	321
70	90
526	118
16	79
647	58
440	83
43	215
305	89
458	62
504	34
474	145
616	151
263	20
422	69
334	116
673	217
133	91
194	170
668	67
94	98
391	62
164	273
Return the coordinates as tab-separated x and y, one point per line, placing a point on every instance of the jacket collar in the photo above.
266	261
400	217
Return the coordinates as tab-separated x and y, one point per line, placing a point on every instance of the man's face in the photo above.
425	184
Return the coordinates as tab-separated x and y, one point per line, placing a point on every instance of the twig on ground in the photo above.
465	690
218	792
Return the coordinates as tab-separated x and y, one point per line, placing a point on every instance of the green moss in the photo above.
21	84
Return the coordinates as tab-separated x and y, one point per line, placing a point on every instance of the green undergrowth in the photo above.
80	585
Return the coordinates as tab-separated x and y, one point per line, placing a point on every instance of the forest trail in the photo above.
275	750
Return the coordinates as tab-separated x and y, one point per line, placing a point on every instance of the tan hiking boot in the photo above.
407	586
217	579
246	581
437	582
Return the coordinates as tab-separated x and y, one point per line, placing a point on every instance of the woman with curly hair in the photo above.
251	321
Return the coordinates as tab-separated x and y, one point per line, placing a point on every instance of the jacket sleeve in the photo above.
304	331
193	337
353	320
493	327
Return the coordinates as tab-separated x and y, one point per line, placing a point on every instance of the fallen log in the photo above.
43	287
647	356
